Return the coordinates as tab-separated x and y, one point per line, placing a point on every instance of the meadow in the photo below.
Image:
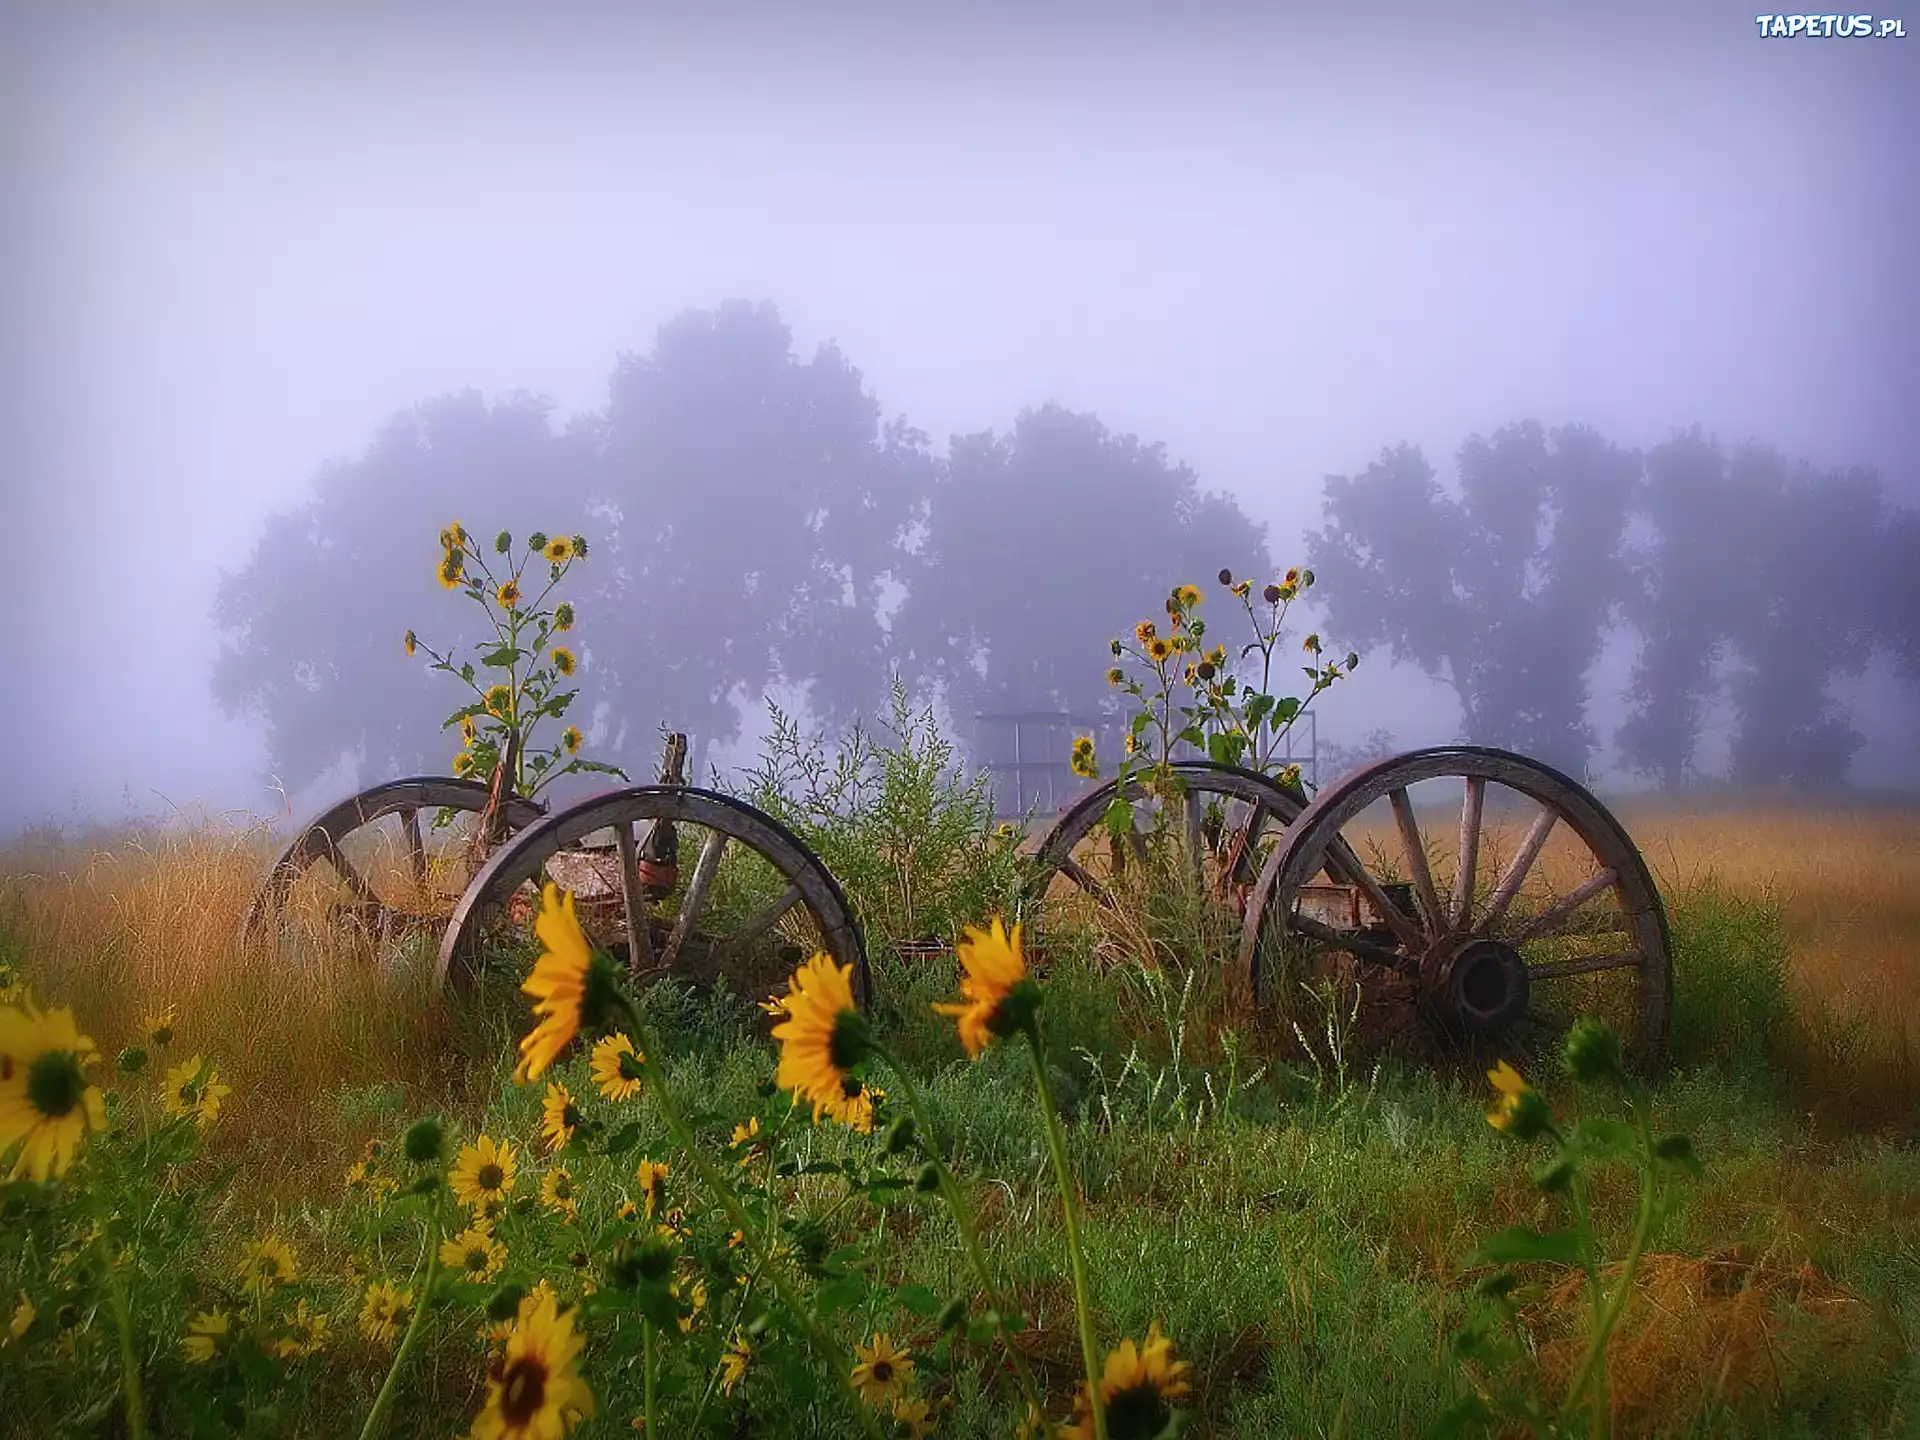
1292	1214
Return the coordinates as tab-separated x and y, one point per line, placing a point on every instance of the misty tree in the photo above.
312	623
1043	544
1679	604
1503	591
760	505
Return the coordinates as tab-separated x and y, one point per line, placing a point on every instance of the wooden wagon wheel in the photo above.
385	876
1227	815
755	902
1535	908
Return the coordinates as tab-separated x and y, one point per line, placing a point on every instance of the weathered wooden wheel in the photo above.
1535	908
1228	818
369	859
754	903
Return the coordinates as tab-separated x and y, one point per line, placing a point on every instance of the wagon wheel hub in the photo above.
1482	988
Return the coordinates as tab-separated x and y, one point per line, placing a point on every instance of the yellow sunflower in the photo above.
194	1088
854	1108
559	984
474	1254
914	1417
1187	595
534	1392
305	1335
557	1192
1242	588
206	1333
267	1263
409	641
558	1116
570	739
996	972
1115	675
651	1177
746	1140
22	1319
563	615
823	1036
616	1067
508	595
383	1309
881	1371
1311	644
559	550
484	1172
158	1026
563	660
468	730
499	700
1292	577
452	568
1137	1391
1519	1111
463	763
734	1363
1159	649
46	1104
1144	632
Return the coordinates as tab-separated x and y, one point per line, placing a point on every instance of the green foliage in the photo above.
1731	1001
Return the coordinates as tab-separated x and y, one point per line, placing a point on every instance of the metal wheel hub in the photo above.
1482	988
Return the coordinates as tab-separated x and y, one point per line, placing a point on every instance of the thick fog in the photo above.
1276	238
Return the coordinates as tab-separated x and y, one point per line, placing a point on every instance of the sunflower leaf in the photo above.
1517	1243
623	1139
920	1300
502	657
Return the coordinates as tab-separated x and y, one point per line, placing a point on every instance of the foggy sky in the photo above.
1275	238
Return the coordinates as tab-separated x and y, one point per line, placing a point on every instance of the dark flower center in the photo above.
883	1371
522	1390
1137	1413
630	1067
6	1067
569	1116
490	1177
55	1084
477	1258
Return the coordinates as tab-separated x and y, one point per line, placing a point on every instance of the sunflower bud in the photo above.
537	540
579	547
1271	594
502	543
1592	1051
1226	577
952	1313
504	1303
927	1182
132	1060
900	1135
425	1142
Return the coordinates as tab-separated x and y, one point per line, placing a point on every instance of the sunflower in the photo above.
452	567
1519	1111
1133	742
22	1320
1159	649
882	1371
484	1172
267	1263
1080	759
46	1104
1187	595
1217	657
1291	578
206	1333
854	1108
508	595
570	739
1116	676
616	1067
570	985
746	1140
558	1194
381	1311
734	1363
474	1253
559	550
563	660
500	701
996	996
1242	588
534	1392
914	1416
1137	1391
1311	644
306	1333
651	1176
463	763
194	1088
1143	632
468	730
558	1116
563	615
823	1036
410	641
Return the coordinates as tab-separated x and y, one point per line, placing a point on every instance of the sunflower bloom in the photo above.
913	1416
194	1088
474	1254
267	1263
1137	1390
734	1363
564	660
1143	632
559	550
384	1307
570	738
854	1108
508	595
616	1067
746	1141
651	1177
563	615
158	1026
206	1333
499	701
46	1104
1115	675
881	1371
410	641
1188	596
484	1172
563	984
468	730
1159	649
22	1319
452	568
306	1333
1080	758
558	1116
557	1192
1519	1111
823	1036
463	763
534	1392
996	995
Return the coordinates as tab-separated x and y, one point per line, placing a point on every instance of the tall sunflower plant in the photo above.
520	676
1186	692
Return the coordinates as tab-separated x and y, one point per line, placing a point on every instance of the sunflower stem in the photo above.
1082	1311
722	1190
646	1348
963	1223
123	1326
390	1386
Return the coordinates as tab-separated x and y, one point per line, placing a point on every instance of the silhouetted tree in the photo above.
1044	544
1505	592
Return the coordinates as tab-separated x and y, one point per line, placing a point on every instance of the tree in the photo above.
1043	544
1504	592
312	624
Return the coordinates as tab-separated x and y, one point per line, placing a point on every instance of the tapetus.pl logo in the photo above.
1829	27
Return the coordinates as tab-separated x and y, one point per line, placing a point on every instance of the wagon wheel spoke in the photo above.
1416	850
634	903
1585	965
416	848
1510	883
1471	810
1192	812
1549	921
765	918
704	870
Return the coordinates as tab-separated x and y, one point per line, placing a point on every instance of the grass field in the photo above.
1296	1225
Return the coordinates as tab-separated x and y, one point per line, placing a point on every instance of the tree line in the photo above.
755	519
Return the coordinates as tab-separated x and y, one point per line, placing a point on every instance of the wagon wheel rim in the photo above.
1227	814
385	830
745	885
1495	944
